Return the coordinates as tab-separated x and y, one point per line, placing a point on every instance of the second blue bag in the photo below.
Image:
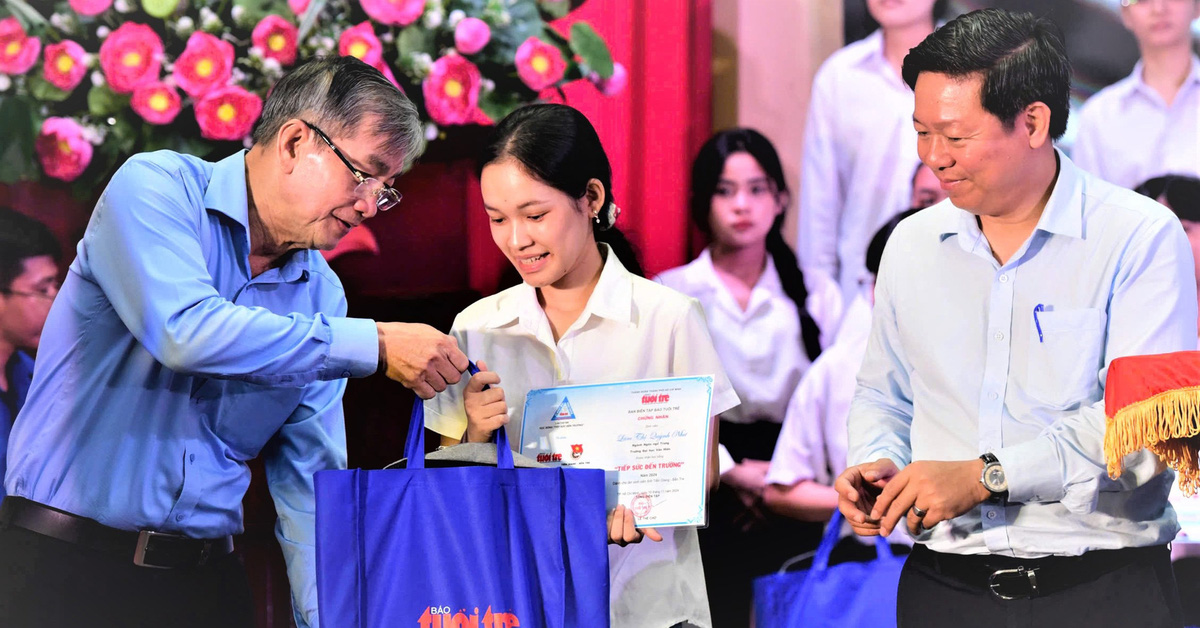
849	595
461	547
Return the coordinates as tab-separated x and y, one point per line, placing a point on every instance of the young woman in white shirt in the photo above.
767	329
578	317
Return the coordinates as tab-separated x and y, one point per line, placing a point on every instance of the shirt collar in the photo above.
612	299
1063	214
874	47
226	191
1138	84
227	195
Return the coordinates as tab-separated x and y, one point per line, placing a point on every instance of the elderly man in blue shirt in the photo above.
978	421
198	329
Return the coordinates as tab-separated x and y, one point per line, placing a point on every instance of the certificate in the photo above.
650	436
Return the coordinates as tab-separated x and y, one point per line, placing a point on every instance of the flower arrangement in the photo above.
84	84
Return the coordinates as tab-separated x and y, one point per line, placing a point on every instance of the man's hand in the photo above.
942	490
420	357
487	410
621	530
857	488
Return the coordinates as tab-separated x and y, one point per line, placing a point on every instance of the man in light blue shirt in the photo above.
978	421
196	330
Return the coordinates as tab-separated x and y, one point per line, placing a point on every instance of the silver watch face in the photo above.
993	478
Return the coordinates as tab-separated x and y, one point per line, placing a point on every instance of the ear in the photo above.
785	199
1036	121
289	143
594	197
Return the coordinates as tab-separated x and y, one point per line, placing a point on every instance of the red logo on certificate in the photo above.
641	505
577	451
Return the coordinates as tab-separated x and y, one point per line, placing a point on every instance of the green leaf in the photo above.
413	39
161	9
590	47
554	9
103	101
497	104
30	19
17	137
43	90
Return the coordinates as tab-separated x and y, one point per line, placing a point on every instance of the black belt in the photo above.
145	548
1018	578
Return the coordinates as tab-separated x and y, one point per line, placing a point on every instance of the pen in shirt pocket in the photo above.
1037	308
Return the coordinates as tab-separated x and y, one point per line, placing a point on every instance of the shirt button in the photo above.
1003	278
999	335
345	373
991	514
180	517
192	458
993	396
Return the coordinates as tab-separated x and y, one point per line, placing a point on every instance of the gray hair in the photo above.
335	94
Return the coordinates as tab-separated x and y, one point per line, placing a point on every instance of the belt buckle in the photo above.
145	537
1029	575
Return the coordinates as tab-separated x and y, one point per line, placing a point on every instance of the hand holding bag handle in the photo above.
414	446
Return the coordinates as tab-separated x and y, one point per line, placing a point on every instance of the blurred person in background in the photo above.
859	146
29	257
1147	124
767	329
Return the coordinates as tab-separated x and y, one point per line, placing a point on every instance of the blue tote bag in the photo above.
461	547
849	595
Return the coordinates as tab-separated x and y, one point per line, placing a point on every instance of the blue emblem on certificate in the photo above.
650	436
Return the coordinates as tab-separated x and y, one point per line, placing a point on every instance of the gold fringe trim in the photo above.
1167	424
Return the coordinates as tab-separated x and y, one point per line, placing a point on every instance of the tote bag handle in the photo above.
833	535
414	446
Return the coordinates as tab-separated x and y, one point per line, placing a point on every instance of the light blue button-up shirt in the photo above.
164	367
958	364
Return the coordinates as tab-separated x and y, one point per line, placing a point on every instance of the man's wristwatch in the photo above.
993	478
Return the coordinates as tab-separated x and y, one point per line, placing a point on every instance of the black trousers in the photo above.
1141	594
48	583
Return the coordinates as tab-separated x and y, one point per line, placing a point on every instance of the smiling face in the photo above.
544	233
1161	24
744	204
322	206
26	303
901	13
983	166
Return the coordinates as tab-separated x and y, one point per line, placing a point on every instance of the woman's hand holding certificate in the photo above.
651	436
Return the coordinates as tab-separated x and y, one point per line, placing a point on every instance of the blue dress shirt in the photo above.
959	364
165	367
20	373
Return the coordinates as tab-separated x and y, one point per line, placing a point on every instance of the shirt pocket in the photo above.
1065	357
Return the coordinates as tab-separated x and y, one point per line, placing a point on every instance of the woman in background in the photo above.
767	329
547	188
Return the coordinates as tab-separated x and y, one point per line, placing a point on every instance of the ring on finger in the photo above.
919	512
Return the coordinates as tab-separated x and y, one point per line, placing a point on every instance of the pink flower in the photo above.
206	64
394	12
90	7
539	64
65	64
277	39
62	150
387	74
18	52
227	113
298	6
452	90
360	41
471	35
157	103
614	84
131	56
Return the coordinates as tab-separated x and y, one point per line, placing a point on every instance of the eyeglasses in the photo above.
369	188
44	293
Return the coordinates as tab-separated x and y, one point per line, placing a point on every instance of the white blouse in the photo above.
760	347
630	329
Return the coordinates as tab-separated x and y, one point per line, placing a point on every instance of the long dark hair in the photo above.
706	173
558	146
